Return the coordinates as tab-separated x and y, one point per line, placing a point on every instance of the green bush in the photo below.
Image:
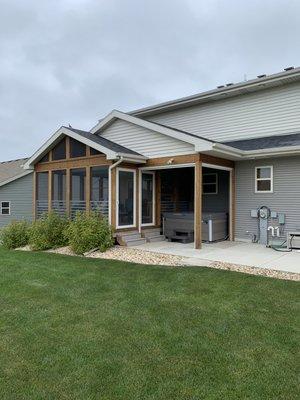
48	232
15	234
87	232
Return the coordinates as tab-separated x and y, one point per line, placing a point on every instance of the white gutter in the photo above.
260	153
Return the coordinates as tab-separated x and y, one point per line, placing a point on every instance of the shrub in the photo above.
15	235
48	232
87	232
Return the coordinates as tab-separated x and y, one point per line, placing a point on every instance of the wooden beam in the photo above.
80	162
222	162
88	189
163	161
198	205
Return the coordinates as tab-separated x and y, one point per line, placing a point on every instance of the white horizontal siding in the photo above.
265	113
144	141
284	199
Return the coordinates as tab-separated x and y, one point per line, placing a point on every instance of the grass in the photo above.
73	328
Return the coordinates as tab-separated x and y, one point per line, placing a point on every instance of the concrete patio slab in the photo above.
248	254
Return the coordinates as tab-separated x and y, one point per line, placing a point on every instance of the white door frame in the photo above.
134	198
153	199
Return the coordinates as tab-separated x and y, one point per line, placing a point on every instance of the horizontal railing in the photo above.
59	207
176	206
76	206
41	208
100	206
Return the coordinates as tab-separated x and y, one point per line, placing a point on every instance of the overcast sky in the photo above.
73	61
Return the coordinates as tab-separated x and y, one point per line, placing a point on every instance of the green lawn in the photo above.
73	328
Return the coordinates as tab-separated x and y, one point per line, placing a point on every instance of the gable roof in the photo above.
12	170
110	149
269	142
262	82
199	142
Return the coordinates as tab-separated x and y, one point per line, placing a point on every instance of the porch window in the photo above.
94	152
5	207
77	149
210	183
41	193
147	198
59	191
59	151
264	179
78	182
99	190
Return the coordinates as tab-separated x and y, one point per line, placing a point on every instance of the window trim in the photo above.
271	179
6	208
211	183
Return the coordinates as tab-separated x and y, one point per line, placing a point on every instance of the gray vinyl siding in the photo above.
268	112
19	193
144	141
217	202
284	199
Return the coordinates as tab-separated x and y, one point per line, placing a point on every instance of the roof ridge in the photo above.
10	161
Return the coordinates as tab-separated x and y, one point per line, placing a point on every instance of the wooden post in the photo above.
113	198
198	205
232	205
49	191
68	148
68	192
88	189
138	201
158	198
34	195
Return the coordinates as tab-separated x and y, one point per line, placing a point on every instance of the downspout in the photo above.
111	167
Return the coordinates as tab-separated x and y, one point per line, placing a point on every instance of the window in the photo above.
59	185
264	179
59	151
210	183
5	207
94	152
77	149
45	158
78	181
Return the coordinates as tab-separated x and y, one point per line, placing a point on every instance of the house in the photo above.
232	151
16	186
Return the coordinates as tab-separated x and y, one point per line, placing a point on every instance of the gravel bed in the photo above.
138	256
271	273
150	258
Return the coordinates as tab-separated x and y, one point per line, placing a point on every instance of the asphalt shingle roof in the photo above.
11	169
266	142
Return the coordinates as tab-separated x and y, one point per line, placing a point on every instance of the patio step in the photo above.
153	235
130	238
158	238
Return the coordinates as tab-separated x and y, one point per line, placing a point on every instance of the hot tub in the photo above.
180	226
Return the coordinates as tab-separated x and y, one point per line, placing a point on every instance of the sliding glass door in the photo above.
126	189
148	198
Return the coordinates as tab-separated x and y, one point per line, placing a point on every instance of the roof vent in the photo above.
229	84
220	87
288	68
261	76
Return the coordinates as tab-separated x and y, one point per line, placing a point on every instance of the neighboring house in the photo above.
228	151
16	192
